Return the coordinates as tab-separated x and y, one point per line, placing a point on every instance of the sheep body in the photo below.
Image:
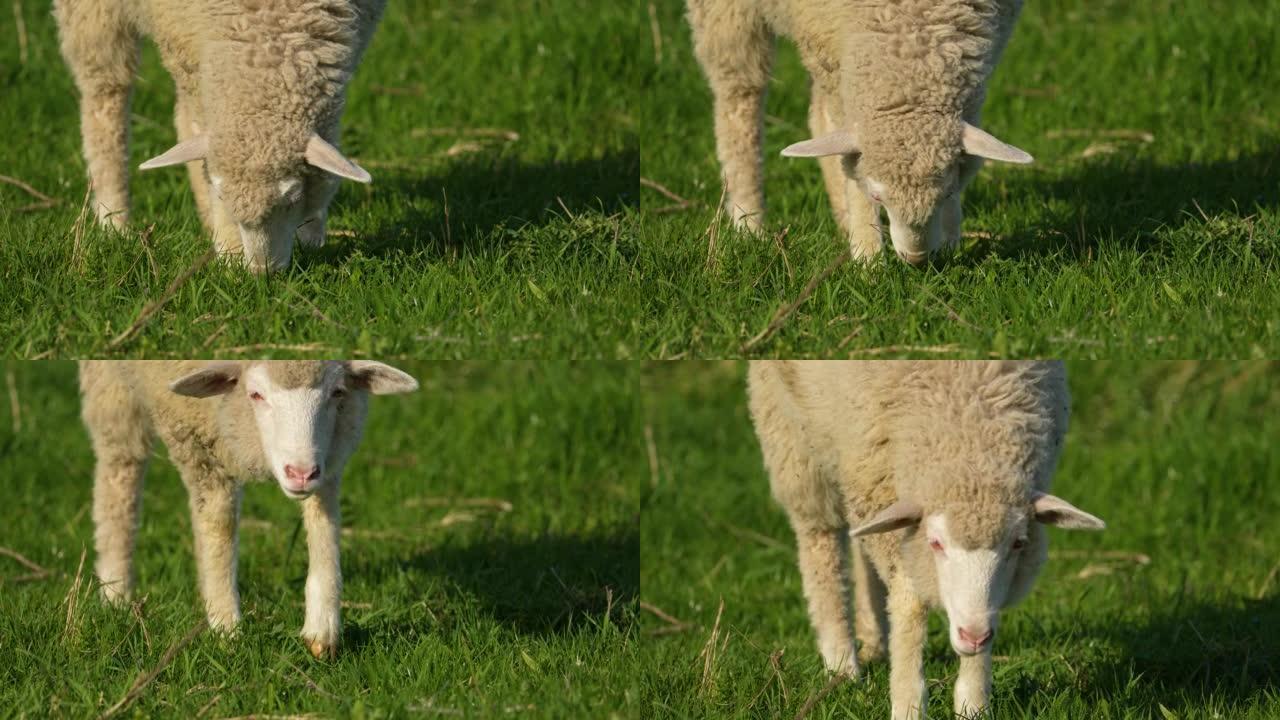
967	447
897	92
306	415
260	87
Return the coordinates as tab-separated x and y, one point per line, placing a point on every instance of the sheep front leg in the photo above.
973	686
101	49
117	499
322	630
824	572
215	518
907	627
865	238
735	48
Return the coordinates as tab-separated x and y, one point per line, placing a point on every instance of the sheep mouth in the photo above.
297	494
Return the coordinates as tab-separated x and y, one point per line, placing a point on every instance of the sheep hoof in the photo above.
322	650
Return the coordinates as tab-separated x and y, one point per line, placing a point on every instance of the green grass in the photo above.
1179	459
463	246
471	247
1160	249
459	609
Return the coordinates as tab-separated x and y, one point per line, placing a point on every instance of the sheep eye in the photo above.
1019	543
338	393
935	544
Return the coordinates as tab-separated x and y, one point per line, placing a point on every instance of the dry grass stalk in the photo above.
37	572
903	349
784	312
482	132
15	406
144	679
712	233
495	504
300	348
44	201
674	625
656	31
21	24
815	698
150	309
651	448
70	628
711	652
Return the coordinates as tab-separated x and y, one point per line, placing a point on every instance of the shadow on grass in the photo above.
1190	657
545	585
483	203
1127	200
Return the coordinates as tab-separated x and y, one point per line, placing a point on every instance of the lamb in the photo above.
261	88
225	423
896	99
942	469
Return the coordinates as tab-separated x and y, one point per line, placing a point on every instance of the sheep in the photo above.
260	91
942	470
895	104
225	423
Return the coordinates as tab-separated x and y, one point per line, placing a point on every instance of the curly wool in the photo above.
277	73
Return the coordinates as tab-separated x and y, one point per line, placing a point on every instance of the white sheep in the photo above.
897	94
942	469
260	91
225	423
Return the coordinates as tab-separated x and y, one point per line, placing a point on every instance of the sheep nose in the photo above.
301	475
975	637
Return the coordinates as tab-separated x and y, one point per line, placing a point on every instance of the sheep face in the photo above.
308	415
977	563
912	166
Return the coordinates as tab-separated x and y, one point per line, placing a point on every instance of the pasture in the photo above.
1148	225
1171	612
502	139
490	559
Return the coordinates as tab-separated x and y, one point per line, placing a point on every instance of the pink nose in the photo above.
300	476
972	637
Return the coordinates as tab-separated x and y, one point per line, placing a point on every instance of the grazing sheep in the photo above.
260	91
225	423
942	469
897	93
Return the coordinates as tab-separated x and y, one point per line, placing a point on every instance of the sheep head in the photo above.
911	164
980	564
271	196
308	415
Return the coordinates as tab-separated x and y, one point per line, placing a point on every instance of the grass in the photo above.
469	243
1179	459
458	604
474	245
1109	246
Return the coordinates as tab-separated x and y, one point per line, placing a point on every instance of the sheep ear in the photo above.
898	515
184	152
836	143
328	158
380	378
980	143
213	379
1053	510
